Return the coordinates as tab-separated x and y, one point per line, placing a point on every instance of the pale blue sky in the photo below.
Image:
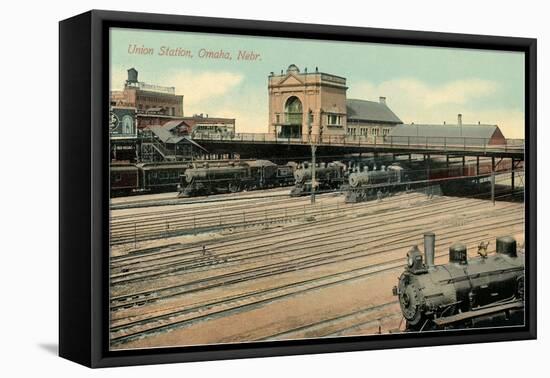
422	84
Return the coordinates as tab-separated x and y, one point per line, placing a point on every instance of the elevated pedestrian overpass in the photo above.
270	146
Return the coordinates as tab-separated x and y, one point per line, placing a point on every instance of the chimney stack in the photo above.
460	120
383	100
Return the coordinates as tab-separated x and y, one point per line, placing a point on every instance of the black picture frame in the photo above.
84	193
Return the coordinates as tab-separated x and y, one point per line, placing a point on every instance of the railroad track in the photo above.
183	207
400	257
127	260
355	328
123	332
149	252
193	252
208	220
139	314
346	209
211	219
326	256
144	203
149	226
193	259
333	325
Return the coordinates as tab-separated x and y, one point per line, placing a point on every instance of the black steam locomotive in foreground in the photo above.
234	177
485	291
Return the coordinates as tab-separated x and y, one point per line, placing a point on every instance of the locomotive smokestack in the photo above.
429	249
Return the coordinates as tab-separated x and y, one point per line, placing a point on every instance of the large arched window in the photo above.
293	111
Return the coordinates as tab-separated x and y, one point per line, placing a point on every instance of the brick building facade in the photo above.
148	98
306	103
315	103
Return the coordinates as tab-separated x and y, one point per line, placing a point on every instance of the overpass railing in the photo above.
387	141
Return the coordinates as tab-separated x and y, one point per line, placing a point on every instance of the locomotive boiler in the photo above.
233	177
327	177
367	184
484	291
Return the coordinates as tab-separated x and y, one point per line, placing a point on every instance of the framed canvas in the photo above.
235	188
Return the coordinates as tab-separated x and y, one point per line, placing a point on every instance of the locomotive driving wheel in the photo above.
234	187
521	287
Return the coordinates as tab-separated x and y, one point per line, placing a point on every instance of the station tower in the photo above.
302	103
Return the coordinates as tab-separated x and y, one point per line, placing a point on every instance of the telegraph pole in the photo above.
313	180
493	187
313	150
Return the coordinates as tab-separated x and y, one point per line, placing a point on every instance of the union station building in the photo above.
315	103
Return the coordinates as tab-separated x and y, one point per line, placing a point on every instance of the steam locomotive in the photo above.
464	293
367	184
234	177
327	177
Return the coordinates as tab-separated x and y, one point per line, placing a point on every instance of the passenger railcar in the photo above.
124	179
161	177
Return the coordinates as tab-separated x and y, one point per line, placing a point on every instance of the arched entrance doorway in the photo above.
292	126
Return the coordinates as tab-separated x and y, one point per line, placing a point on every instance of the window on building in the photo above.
293	111
376	131
385	131
277	118
334	120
